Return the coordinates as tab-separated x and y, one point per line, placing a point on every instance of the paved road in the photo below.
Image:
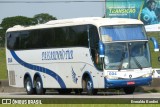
100	95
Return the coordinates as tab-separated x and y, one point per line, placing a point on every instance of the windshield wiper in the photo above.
122	58
137	63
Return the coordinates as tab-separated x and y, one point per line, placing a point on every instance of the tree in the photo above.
22	20
17	20
43	18
2	37
12	21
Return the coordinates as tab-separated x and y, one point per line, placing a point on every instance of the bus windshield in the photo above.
126	55
122	33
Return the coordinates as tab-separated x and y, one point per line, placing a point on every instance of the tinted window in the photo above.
13	40
49	38
78	36
94	39
24	40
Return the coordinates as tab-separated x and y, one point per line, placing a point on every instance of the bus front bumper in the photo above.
111	83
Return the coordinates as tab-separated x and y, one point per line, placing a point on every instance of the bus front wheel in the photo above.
89	87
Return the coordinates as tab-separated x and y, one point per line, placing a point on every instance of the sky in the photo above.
61	10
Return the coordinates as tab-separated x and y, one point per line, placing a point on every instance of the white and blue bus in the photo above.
81	54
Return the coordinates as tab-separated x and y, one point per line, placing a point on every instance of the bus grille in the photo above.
12	78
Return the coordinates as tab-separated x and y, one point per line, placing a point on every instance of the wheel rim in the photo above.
38	85
89	86
29	86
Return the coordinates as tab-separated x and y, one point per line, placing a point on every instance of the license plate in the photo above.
130	83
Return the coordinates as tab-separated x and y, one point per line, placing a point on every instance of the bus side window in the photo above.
13	41
24	43
9	43
94	38
78	36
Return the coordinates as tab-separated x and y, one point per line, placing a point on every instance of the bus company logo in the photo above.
6	101
130	76
74	78
57	55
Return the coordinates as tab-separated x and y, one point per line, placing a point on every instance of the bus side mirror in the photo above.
101	53
155	43
101	49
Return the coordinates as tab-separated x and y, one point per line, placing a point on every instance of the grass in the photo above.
154	55
3	71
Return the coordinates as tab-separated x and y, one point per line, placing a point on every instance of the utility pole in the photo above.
105	8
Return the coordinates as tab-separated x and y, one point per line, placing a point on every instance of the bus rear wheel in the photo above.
129	90
28	86
39	86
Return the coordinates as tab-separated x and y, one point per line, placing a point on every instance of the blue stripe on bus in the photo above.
40	69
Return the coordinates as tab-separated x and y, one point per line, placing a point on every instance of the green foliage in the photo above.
22	20
3	71
17	20
154	55
2	37
12	21
43	18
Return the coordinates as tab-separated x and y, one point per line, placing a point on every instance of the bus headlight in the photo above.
146	75
111	77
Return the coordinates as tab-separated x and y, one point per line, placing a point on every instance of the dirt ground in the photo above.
5	88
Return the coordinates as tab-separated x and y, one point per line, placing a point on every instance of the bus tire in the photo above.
129	90
28	86
39	86
89	87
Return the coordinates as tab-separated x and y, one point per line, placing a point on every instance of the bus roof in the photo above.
97	21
